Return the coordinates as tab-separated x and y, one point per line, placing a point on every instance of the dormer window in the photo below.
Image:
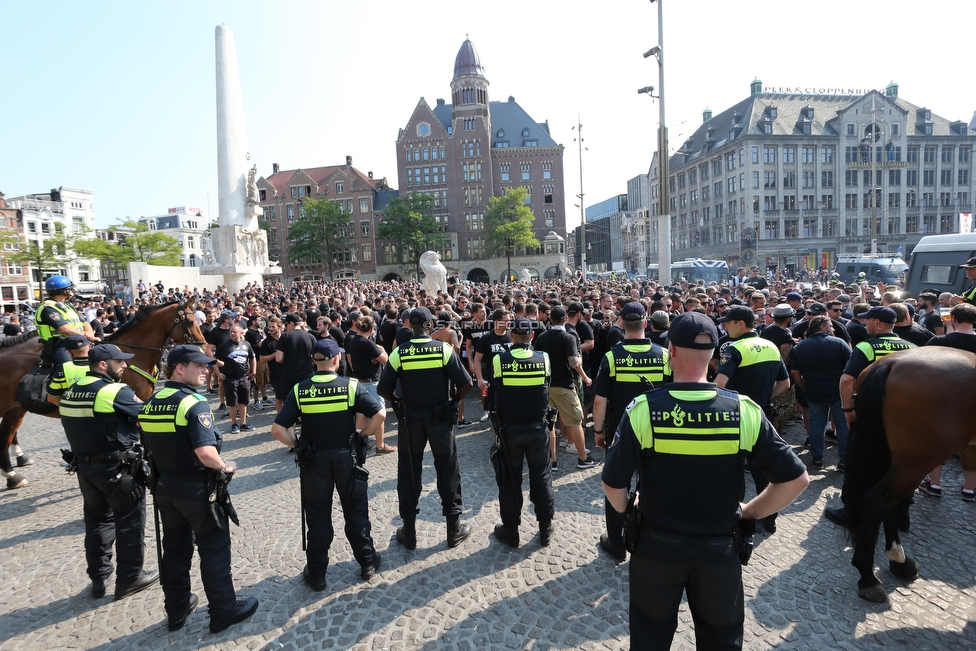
525	132
500	133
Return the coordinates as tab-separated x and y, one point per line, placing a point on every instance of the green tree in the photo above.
409	223
49	254
321	230
508	223
140	245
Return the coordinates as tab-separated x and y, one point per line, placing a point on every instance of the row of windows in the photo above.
426	175
427	153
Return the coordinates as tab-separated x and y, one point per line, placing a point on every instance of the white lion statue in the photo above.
568	273
526	277
435	274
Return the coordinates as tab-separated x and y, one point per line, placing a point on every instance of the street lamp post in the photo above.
878	132
579	141
664	191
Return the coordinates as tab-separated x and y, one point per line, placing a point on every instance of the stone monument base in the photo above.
244	253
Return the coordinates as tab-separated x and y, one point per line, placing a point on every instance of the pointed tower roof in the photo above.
467	62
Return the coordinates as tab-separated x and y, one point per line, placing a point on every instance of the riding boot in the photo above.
407	534
457	532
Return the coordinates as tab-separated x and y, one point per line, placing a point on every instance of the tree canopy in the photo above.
508	224
139	245
408	223
321	231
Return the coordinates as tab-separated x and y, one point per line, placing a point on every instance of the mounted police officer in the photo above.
686	538
190	495
631	368
71	371
520	388
426	369
330	454
99	417
56	319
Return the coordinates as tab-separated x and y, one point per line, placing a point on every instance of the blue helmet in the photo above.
58	285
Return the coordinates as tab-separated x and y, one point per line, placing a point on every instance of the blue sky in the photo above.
119	97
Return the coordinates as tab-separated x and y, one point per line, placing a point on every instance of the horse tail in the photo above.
868	455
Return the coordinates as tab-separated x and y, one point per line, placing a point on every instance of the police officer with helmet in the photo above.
426	369
190	495
71	371
56	319
686	536
330	453
631	368
520	387
99	417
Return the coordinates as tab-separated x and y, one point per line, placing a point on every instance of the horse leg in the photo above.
18	453
899	563
874	510
9	423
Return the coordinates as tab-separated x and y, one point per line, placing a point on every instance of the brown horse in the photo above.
144	336
894	444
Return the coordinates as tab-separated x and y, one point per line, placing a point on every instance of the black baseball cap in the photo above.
291	317
185	354
738	313
633	311
326	348
522	326
574	308
103	352
687	326
558	313
420	315
882	314
74	342
969	264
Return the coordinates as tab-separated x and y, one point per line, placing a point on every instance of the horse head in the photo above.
186	322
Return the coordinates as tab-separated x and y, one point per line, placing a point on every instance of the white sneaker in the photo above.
259	406
483	418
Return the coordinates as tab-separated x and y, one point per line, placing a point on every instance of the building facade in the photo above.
465	152
792	178
66	210
188	225
15	281
359	195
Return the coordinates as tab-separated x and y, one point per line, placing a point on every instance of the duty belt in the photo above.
107	457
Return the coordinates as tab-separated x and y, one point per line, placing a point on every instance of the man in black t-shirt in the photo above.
575	323
294	353
217	336
266	355
494	343
254	335
12	328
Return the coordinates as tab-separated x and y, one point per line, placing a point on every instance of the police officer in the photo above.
968	296
99	417
179	432
327	405
71	371
426	368
686	539
881	341
631	368
56	319
520	388
752	366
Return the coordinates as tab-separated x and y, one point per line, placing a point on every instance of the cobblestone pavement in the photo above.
481	595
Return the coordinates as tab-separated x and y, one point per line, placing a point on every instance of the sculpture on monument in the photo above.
435	273
206	246
252	186
525	276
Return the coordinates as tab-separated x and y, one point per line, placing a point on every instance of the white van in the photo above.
936	260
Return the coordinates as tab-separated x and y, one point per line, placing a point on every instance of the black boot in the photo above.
407	534
457	532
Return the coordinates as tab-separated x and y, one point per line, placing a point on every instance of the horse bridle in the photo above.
181	318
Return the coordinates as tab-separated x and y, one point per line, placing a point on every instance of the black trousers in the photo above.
664	566
331	471
108	521
531	443
185	513
426	426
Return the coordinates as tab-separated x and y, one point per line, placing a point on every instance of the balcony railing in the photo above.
36	204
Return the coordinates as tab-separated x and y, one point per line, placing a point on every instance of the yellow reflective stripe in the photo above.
447	351
419	362
105	398
157	423
697	448
536	381
353	386
696	431
496	366
694	394
186	404
768	351
750	422
394	360
640	418
69	411
324	405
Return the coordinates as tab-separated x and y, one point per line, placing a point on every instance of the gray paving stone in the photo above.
799	586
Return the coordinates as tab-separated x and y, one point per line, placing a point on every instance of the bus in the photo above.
694	269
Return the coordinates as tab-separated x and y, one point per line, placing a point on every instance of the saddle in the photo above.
32	392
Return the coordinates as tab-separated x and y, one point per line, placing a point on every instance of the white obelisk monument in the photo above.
239	245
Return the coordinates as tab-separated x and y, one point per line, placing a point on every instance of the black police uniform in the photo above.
686	541
426	368
327	405
630	369
175	422
520	382
99	416
754	365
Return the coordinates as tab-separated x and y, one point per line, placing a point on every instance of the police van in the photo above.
936	260
871	268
